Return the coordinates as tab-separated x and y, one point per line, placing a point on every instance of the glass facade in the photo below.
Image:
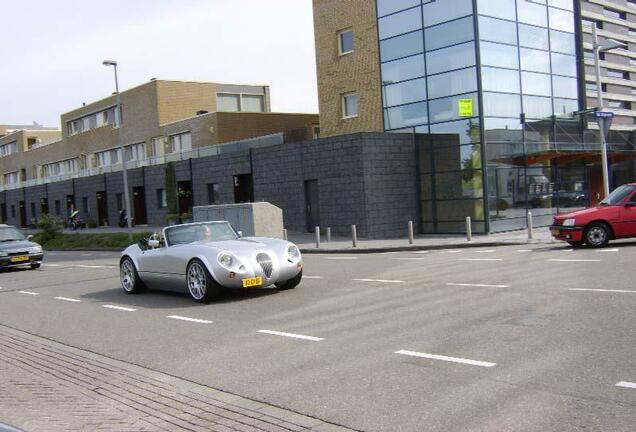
461	73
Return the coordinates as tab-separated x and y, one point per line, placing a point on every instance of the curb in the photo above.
420	247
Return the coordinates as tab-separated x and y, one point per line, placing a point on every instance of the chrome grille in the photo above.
265	261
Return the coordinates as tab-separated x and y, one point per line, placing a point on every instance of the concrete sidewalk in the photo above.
307	242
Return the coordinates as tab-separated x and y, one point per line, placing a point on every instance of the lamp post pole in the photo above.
601	120
119	123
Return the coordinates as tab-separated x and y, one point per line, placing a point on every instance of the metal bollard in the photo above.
530	226
328	234
410	232
354	236
469	230
284	234
317	237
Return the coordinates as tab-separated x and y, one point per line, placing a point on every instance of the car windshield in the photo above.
10	233
213	231
618	196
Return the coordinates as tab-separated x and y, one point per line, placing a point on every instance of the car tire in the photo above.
201	285
129	278
597	235
35	265
292	283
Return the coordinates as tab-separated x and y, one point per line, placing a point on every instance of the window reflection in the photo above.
456	82
405	92
406	115
503	80
464	131
564	87
401	46
448	108
532	13
386	7
535	60
497	30
536	107
561	20
402	22
404	69
493	54
533	37
450	33
439	12
562	42
563	64
502	105
500	9
565	107
535	84
455	57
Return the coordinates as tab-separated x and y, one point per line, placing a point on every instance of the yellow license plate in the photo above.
556	232
19	258
252	282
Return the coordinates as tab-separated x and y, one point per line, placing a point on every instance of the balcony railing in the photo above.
213	150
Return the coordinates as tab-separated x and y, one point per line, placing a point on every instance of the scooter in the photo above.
123	218
75	221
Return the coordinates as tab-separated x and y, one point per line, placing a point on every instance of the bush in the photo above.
117	241
50	227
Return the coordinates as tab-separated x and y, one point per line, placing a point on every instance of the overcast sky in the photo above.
53	50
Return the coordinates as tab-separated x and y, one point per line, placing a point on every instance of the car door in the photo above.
150	264
628	217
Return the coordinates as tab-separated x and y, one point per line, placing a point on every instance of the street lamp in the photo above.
606	45
119	123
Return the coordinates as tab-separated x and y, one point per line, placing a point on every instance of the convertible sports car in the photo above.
206	258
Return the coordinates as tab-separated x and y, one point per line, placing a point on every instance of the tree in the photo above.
170	184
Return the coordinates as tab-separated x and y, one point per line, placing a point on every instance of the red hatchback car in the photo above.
613	218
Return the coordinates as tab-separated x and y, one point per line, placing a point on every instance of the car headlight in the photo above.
225	259
35	249
293	252
3	254
569	222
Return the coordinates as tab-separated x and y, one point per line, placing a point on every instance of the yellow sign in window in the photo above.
465	108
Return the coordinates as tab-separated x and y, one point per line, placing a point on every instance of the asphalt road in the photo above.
536	338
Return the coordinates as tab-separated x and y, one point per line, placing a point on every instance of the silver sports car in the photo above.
205	258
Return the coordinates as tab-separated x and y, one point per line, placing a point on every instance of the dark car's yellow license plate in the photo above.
19	258
252	282
555	231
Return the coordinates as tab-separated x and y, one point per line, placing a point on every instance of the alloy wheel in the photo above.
197	281
127	275
596	236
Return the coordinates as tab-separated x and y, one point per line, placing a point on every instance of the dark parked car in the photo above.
16	250
613	218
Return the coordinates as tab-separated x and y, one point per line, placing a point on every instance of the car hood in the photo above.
239	246
18	244
588	212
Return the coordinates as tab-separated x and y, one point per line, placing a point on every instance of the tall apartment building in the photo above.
613	19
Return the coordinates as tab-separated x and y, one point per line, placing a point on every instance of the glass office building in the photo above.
460	74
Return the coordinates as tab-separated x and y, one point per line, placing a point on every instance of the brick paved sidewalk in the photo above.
47	386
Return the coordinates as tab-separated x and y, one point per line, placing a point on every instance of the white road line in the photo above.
93	266
626	384
121	308
481	259
409	259
574	260
378	280
86	254
524	250
195	320
476	285
291	335
51	265
342	258
607	250
29	293
602	290
485	251
453	251
421	252
67	299
388	253
445	358
312	277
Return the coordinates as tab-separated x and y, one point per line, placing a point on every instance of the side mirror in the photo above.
240	233
30	236
153	243
143	244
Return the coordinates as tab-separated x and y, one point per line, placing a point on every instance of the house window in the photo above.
617	74
156	147
7	149
213	193
11	178
619	104
614	14
349	105
135	152
180	142
252	103
228	102
85	205
161	199
58	207
108	157
345	41
92	121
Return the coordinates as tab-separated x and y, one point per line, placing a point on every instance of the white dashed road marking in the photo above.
445	358
343	258
626	384
121	308
477	285
378	280
194	320
485	251
574	260
524	250
66	299
481	259
607	250
409	259
291	335
453	251
312	277
421	252
51	265
602	290
29	293
95	266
